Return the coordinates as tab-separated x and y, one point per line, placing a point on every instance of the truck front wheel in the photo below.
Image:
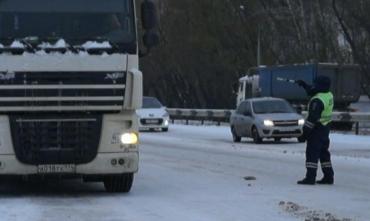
119	183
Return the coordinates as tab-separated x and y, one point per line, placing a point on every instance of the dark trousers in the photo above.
318	149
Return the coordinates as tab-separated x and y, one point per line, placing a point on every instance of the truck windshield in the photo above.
151	102
75	21
272	106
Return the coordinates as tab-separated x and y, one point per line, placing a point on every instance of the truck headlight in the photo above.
129	138
268	123
301	122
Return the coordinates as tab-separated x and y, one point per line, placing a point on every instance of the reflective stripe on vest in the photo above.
328	100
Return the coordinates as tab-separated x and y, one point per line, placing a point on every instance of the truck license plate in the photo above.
56	168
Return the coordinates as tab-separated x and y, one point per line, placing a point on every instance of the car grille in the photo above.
56	139
151	121
62	91
287	123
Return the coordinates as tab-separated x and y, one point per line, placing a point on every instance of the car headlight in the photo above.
268	123
166	123
301	122
129	138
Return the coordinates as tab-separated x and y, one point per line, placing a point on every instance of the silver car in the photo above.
260	118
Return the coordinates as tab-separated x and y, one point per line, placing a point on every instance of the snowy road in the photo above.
197	173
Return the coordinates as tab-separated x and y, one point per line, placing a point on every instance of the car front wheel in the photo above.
236	138
255	135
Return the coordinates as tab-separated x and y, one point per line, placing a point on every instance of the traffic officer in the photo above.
316	131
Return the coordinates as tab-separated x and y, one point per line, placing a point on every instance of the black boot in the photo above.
310	178
328	171
326	180
306	181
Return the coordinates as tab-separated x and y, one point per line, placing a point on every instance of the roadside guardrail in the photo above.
220	116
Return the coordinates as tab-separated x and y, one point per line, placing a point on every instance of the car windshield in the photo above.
272	106
151	102
75	21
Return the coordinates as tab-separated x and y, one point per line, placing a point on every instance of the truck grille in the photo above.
56	139
288	123
62	91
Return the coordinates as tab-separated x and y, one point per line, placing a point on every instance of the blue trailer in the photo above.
267	82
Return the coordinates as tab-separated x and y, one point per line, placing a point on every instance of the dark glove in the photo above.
301	83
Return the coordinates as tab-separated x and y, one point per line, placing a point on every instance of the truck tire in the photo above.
236	138
119	183
255	135
165	129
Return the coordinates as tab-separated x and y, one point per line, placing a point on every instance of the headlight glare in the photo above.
129	138
301	122
268	123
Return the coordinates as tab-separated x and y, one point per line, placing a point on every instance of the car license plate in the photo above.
152	121
56	168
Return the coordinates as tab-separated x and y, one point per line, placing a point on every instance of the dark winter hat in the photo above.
322	84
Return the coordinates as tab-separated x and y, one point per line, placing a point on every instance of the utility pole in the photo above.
261	17
259	41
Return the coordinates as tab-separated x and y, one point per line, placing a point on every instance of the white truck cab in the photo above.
70	85
248	88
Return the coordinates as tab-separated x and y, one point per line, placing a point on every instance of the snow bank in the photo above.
1	46
17	44
94	45
61	43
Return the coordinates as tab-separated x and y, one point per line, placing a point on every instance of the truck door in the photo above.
241	92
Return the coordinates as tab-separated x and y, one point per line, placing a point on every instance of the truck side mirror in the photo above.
149	15
151	39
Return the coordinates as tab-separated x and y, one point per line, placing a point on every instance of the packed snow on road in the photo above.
198	173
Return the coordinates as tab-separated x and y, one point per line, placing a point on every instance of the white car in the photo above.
153	115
